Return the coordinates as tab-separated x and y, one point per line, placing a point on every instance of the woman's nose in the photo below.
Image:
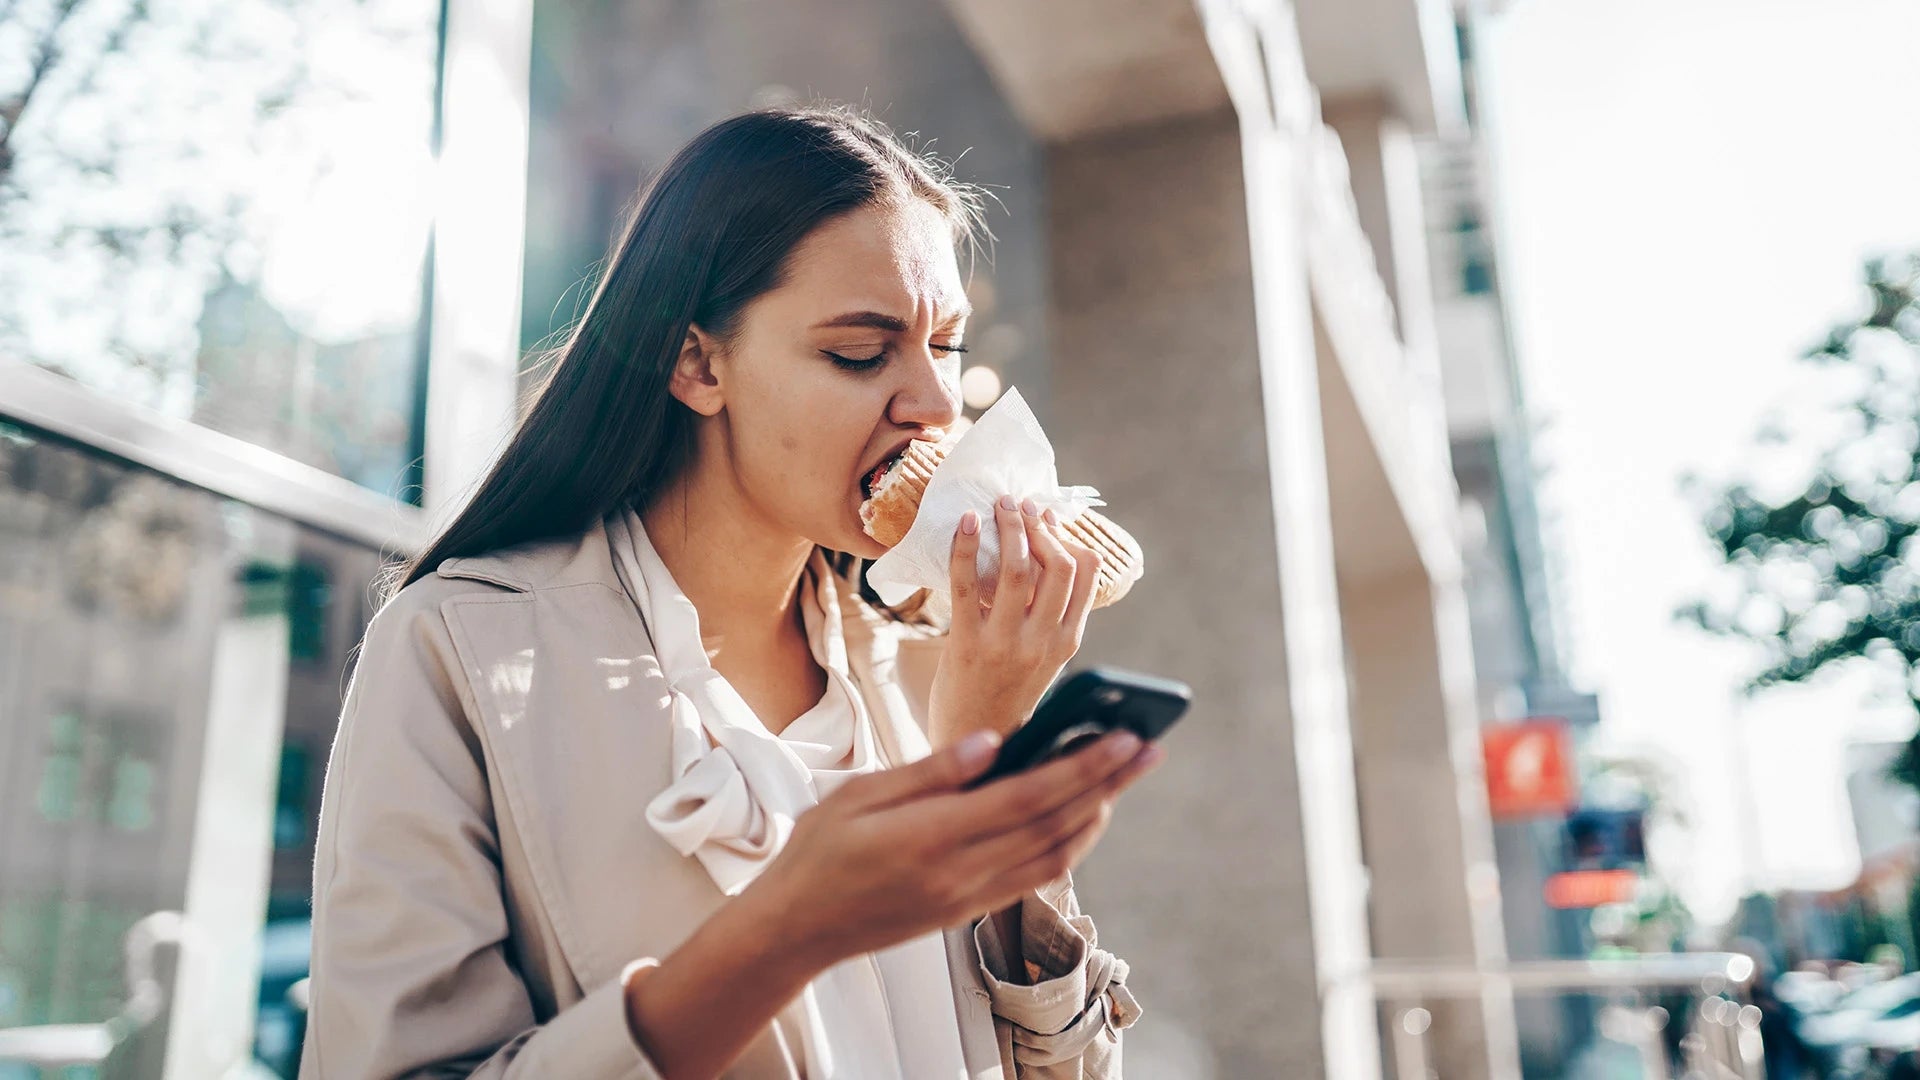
930	399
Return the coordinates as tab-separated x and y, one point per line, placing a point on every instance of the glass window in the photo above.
1476	255
219	209
139	618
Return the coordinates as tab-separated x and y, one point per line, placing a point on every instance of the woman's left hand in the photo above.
1000	659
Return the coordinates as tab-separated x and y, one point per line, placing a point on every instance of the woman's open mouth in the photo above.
879	474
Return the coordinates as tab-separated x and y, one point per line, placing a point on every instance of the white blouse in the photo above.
737	791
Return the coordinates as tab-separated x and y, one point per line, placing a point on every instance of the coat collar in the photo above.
541	564
587	558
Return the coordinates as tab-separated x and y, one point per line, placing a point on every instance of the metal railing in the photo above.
199	456
50	1049
1723	1042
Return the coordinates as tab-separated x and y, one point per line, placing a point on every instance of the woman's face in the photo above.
832	373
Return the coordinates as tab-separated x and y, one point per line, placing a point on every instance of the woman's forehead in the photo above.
891	259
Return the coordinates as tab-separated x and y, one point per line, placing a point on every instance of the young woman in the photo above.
635	777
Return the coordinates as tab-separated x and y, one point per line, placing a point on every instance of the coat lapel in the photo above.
573	710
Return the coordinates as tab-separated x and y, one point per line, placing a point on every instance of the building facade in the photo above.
1514	585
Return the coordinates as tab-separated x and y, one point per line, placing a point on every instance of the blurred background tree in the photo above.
126	174
1825	570
220	210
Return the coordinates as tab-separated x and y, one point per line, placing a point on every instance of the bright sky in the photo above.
1687	188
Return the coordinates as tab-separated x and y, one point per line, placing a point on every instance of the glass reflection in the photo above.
123	597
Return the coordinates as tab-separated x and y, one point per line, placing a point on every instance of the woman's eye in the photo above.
867	363
855	363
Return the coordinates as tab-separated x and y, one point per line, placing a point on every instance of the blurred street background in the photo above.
1518	402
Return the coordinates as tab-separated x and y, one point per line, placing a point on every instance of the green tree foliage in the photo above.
1830	574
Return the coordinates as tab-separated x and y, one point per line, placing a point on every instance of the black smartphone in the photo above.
1087	705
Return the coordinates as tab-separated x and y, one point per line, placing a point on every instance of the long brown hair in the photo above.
710	234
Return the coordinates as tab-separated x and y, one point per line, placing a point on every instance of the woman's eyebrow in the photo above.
879	321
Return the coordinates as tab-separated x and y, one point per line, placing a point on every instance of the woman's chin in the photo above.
866	546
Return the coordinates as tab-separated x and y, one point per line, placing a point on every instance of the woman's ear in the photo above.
695	382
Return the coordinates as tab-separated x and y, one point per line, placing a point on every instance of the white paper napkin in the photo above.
1003	453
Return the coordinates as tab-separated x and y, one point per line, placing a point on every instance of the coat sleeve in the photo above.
1066	1025
411	973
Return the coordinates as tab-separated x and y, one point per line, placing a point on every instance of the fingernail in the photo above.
1007	503
977	749
1125	745
1052	518
969	523
1032	508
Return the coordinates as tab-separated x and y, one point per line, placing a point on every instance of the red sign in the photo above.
1529	769
1590	888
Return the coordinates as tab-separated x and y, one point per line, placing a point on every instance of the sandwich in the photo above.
895	488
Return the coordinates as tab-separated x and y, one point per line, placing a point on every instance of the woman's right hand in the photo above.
899	853
1000	657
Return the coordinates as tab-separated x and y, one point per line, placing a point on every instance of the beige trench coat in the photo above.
485	872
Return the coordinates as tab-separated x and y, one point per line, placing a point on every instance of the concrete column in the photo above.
1428	842
213	1007
1428	853
1385	174
1182	387
1383	170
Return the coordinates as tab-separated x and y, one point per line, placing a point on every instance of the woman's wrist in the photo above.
948	726
804	934
796	934
696	1010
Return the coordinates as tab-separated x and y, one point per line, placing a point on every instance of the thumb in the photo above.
944	770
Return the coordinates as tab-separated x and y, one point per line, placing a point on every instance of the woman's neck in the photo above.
741	574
